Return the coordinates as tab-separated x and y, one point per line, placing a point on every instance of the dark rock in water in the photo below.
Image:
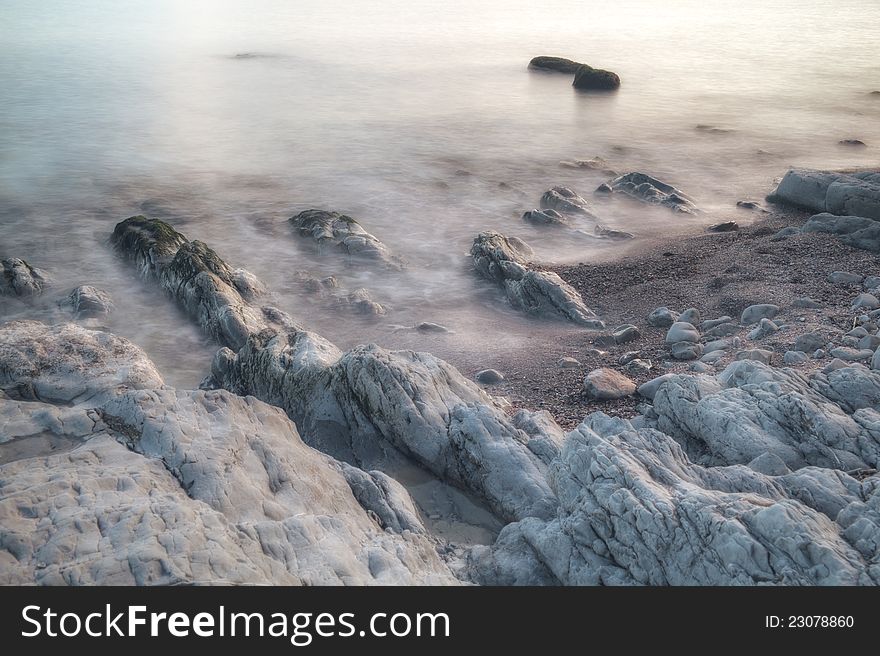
610	233
314	285
342	232
150	243
874	93
563	199
603	188
540	293
431	327
595	164
18	278
88	302
489	377
858	143
216	296
727	226
595	79
648	189
558	64
713	129
750	205
545	217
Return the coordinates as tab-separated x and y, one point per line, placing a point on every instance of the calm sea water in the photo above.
419	118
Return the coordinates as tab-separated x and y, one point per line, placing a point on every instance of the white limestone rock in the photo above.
69	364
751	408
380	409
635	510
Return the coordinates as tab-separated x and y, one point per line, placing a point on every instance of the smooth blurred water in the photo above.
420	119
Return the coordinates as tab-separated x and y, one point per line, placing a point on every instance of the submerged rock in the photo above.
548	217
87	302
362	302
595	164
647	189
339	231
541	293
610	233
727	226
18	278
595	79
558	64
563	199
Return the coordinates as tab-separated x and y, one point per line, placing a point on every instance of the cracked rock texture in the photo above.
380	409
635	510
160	486
216	296
541	293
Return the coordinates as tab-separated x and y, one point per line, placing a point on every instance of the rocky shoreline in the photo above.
719	274
748	455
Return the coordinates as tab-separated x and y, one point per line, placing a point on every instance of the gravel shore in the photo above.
718	274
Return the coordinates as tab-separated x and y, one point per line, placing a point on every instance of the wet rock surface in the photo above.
18	278
333	230
540	293
648	189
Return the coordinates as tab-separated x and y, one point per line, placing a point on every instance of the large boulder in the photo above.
607	384
332	230
68	364
648	189
856	194
540	293
558	64
595	79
